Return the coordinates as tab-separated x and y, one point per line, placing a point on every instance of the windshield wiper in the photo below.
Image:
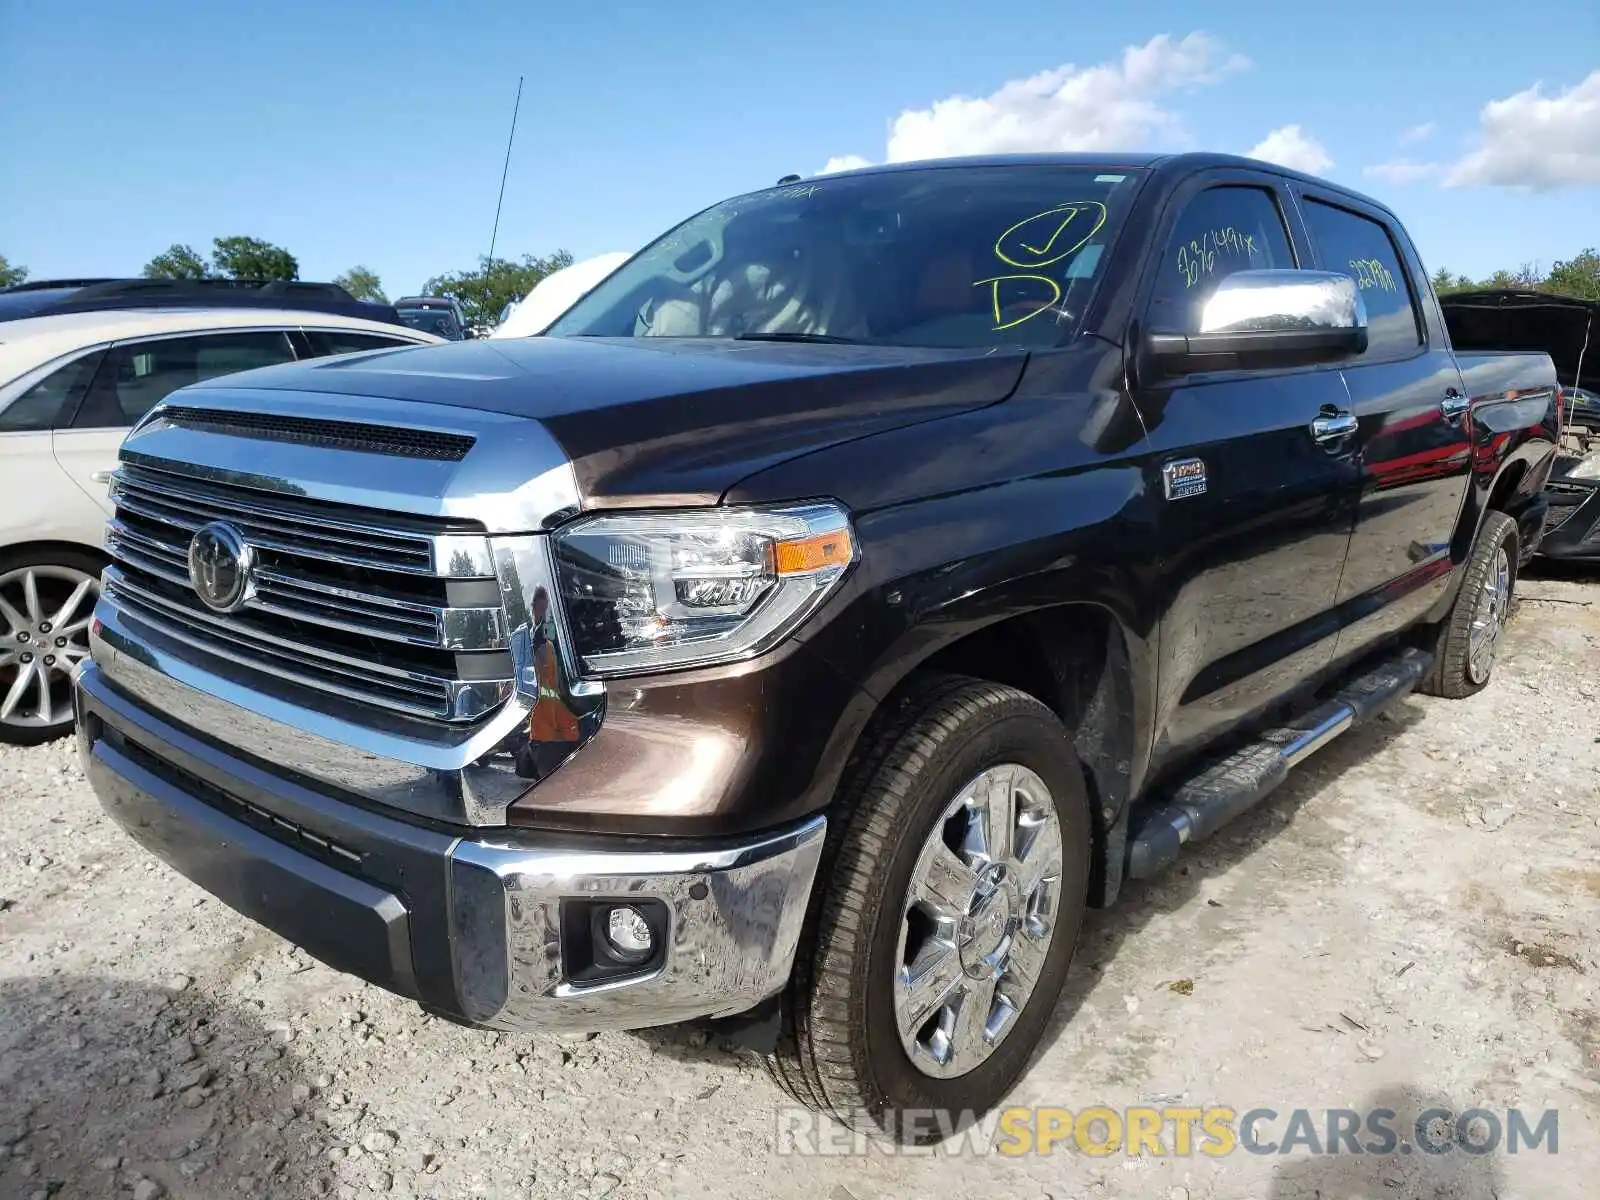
789	336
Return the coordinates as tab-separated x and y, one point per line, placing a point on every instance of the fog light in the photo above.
629	933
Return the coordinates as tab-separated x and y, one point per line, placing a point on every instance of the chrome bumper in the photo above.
471	928
734	920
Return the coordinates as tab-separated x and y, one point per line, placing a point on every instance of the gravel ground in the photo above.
1409	921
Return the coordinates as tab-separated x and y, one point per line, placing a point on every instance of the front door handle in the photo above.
1454	404
101	476
1334	427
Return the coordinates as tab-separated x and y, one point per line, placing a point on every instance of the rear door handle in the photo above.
1454	404
1334	427
101	476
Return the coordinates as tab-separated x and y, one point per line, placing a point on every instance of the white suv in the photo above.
70	386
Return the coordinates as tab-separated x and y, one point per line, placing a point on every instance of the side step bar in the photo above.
1207	802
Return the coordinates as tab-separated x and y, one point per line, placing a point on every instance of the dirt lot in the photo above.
1410	922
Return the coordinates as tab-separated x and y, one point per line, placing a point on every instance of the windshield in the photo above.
942	256
438	321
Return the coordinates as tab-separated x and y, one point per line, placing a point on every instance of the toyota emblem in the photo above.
220	564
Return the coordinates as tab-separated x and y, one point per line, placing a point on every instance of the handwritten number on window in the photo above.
1197	258
1371	275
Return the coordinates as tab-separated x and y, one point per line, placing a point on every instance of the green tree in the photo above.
1576	276
495	283
9	274
251	258
363	284
1529	277
1444	282
177	261
1503	280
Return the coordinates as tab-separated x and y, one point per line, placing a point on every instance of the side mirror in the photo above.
1264	318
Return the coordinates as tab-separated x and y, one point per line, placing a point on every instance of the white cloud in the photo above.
1110	106
844	162
1418	133
1403	170
1290	146
1529	140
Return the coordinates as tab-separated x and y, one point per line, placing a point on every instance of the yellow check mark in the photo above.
1045	249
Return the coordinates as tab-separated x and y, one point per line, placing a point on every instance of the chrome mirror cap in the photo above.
1284	302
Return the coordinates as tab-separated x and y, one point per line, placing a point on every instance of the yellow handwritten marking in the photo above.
1372	275
1056	220
1197	258
1000	323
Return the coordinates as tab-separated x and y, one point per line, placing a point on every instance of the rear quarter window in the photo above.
50	402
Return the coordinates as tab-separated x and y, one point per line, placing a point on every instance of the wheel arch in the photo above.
1078	659
20	551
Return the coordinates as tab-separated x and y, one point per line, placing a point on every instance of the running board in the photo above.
1207	802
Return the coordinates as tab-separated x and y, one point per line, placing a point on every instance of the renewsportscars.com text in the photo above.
1214	1132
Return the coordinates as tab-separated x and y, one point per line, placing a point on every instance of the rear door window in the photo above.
1221	231
136	376
1363	249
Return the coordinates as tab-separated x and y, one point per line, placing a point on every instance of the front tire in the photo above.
47	598
947	909
1464	657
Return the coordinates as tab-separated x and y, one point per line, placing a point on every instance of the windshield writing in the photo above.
942	256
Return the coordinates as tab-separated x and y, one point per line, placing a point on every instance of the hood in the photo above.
669	421
1564	327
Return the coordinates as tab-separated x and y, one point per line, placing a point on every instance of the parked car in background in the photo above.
441	316
52	297
1582	405
866	578
1572	528
70	386
554	294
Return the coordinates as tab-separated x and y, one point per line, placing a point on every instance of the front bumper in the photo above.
1572	526
469	927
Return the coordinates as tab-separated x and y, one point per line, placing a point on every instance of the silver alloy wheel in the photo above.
977	920
44	629
1489	619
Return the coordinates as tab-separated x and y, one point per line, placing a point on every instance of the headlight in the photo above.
1586	468
648	591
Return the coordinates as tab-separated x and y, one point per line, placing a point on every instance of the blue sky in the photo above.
373	133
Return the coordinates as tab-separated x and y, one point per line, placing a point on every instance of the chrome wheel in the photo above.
1489	618
44	629
977	920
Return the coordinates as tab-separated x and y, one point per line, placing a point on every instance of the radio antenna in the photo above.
515	108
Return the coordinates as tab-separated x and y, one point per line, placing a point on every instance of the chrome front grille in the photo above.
376	608
305	529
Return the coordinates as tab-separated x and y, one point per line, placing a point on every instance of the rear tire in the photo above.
1470	636
960	838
